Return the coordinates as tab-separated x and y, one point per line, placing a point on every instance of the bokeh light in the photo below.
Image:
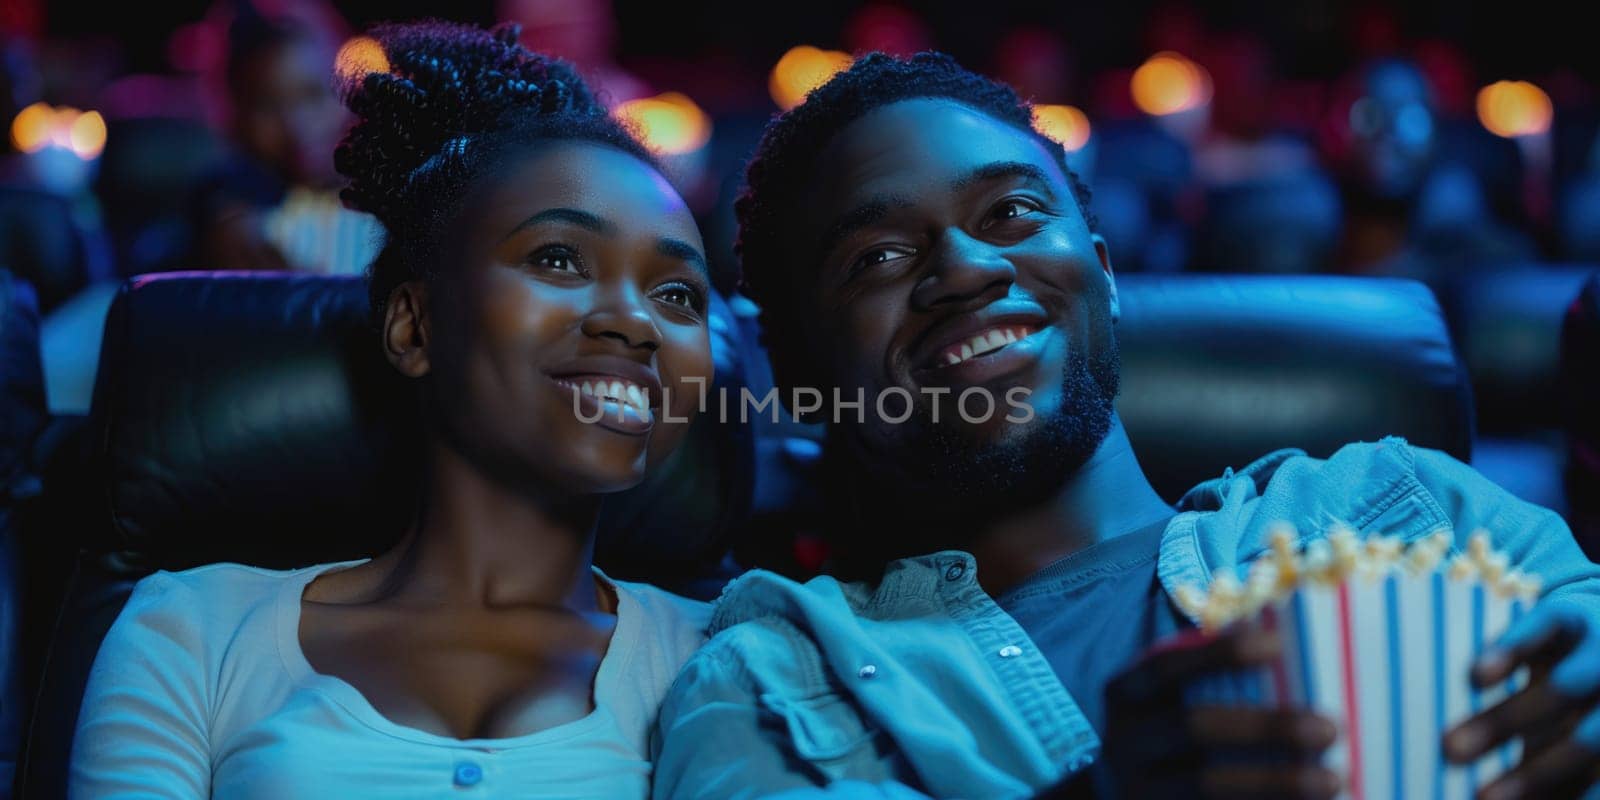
1064	124
41	125
31	129
1169	83
802	69
669	124
61	126
1514	108
358	57
86	136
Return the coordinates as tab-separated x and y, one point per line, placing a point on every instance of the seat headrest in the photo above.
1219	370
252	417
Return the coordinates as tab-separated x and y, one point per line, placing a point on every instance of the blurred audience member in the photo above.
49	224
1392	135
1144	196
273	204
1409	212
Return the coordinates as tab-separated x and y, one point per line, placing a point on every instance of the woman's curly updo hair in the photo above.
454	99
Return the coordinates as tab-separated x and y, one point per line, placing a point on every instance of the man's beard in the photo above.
958	478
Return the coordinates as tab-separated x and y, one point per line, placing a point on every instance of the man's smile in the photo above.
1010	350
974	348
984	341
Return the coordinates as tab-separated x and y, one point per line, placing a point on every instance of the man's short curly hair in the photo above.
785	161
453	100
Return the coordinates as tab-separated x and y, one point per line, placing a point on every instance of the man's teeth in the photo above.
984	342
623	392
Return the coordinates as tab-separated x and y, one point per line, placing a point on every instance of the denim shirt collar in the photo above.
1182	561
1224	522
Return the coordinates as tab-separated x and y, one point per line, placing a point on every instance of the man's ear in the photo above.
407	328
1104	252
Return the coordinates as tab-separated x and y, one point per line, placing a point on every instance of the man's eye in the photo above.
1012	209
876	257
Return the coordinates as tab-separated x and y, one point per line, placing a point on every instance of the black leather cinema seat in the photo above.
1219	370
252	418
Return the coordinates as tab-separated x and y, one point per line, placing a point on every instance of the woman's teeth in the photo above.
620	392
984	342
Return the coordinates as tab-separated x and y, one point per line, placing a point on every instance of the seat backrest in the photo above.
1220	370
252	418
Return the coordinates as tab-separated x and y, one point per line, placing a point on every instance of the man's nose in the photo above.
964	269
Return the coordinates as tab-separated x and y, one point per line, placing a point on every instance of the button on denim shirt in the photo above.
901	689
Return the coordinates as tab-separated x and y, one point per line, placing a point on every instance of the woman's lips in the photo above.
611	402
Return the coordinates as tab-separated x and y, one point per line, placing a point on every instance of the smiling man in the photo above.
989	629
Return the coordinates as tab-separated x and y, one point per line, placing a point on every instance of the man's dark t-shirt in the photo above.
1094	612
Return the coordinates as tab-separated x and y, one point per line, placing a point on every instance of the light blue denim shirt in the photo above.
922	685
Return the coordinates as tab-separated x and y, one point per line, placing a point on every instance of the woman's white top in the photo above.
200	689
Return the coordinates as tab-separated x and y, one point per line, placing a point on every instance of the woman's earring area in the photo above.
405	329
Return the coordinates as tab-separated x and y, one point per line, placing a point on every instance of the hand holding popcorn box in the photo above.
1380	637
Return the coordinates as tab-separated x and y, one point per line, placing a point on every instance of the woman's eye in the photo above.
559	259
680	295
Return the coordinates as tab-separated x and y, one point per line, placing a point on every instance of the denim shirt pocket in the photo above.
825	729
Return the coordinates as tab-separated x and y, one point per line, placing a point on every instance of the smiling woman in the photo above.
538	275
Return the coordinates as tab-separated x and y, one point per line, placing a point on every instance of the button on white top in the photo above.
868	671
1010	651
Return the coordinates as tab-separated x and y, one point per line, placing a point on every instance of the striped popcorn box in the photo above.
1380	638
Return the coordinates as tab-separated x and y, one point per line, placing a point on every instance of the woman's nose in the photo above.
626	319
